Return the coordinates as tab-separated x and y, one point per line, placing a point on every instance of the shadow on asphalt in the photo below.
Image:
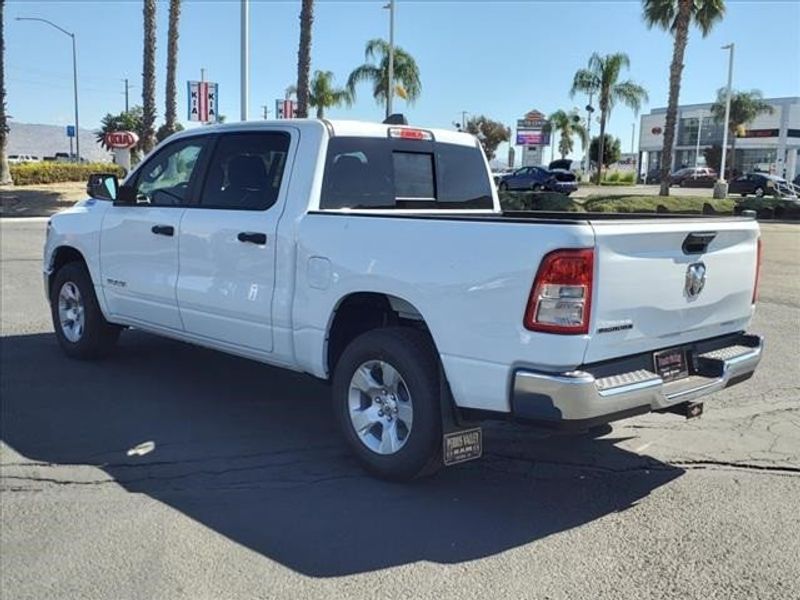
251	452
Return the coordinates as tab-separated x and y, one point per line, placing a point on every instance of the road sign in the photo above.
285	109
71	131
203	101
121	140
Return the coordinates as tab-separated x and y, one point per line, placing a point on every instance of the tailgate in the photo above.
651	293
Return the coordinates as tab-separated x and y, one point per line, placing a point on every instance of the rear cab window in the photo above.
372	172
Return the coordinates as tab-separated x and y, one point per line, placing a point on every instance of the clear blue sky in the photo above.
496	58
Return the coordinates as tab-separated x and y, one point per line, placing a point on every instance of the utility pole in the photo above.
266	111
245	58
721	187
390	82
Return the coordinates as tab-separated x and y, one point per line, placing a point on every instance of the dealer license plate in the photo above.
461	446
671	364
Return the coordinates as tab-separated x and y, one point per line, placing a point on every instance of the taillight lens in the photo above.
758	272
561	298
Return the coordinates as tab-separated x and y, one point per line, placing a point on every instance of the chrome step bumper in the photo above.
581	398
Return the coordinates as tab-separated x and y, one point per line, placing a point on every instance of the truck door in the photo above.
139	242
228	242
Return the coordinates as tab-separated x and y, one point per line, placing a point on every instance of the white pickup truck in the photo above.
377	256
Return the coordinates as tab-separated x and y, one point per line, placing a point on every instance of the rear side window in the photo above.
386	173
245	171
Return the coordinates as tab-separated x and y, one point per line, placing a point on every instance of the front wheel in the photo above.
759	192
81	329
503	187
386	397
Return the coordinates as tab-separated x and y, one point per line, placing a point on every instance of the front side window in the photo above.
164	179
387	173
245	171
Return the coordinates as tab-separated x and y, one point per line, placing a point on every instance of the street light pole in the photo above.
390	82
697	147
74	77
245	59
589	111
721	187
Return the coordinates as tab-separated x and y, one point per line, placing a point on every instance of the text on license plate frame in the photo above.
671	364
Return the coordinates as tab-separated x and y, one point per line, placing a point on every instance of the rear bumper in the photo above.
613	390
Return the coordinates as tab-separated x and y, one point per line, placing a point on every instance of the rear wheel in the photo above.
536	187
503	187
759	192
80	327
386	397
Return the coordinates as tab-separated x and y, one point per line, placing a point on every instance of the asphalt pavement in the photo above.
170	471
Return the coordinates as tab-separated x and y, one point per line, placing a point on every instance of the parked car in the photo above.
377	257
538	179
22	158
694	177
757	184
498	174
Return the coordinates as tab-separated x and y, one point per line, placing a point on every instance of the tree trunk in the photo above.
304	57
675	71
5	172
601	146
170	114
320	112
149	77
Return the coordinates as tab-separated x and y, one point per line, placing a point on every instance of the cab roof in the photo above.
339	128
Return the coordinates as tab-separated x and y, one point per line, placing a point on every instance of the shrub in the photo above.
49	172
629	177
612	177
651	204
546	201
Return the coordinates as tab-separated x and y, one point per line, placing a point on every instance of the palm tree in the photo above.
601	77
568	124
323	94
304	57
745	107
170	114
148	133
406	73
675	16
5	172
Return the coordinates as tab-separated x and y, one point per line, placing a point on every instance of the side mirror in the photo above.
102	186
126	196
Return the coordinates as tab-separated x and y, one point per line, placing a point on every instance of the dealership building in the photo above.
770	143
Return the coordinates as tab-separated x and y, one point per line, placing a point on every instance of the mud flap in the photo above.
461	441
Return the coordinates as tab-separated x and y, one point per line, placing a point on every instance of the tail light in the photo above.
758	272
561	298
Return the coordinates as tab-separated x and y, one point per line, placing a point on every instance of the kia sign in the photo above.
203	101
121	140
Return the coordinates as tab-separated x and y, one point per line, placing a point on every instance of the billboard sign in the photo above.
532	137
203	101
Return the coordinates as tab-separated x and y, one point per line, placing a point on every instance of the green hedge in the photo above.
547	201
651	204
50	172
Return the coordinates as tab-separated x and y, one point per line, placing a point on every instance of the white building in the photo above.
770	143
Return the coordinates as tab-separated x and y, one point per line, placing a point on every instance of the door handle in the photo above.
252	237
168	230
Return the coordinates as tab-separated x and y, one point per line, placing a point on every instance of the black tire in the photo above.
759	192
412	354
503	187
536	187
98	336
